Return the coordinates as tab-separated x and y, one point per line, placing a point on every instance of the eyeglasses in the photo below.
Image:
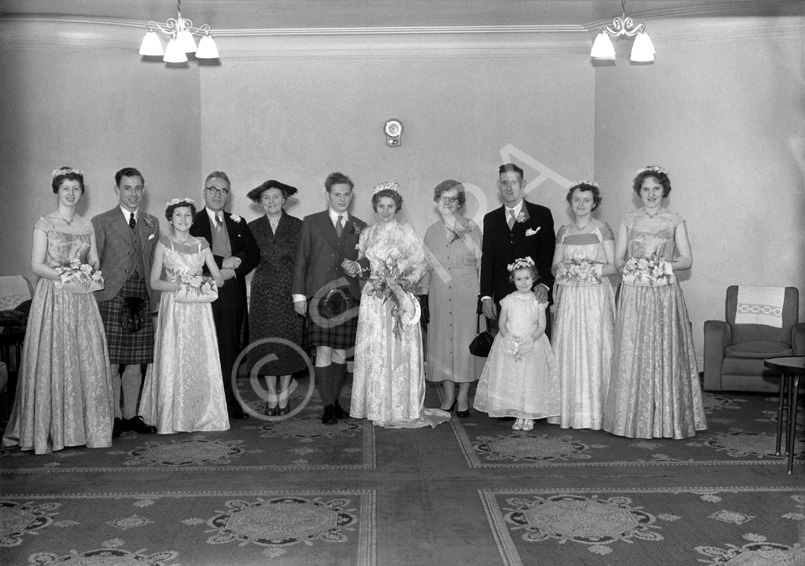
448	200
217	191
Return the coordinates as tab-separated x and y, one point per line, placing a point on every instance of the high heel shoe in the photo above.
453	406
465	413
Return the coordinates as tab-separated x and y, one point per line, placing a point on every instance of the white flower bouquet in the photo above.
652	271
195	288
77	277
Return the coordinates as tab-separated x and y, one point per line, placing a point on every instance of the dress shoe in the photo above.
239	415
137	424
340	413
117	427
284	410
329	415
271	411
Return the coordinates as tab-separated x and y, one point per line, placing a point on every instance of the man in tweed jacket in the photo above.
126	236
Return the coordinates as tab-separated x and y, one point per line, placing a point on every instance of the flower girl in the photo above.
184	389
520	378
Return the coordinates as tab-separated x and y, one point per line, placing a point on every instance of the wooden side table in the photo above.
791	368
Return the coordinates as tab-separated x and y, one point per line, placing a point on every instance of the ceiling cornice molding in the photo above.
118	35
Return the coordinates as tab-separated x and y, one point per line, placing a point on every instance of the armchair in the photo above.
734	353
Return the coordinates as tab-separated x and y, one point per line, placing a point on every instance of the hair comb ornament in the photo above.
653	169
585	182
185	201
522	263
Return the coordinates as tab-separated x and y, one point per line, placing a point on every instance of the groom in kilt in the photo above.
325	293
126	236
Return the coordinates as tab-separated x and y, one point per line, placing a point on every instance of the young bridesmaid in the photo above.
520	378
184	388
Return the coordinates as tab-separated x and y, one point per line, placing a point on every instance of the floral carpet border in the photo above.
583	525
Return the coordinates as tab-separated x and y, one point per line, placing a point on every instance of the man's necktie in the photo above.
132	222
339	226
511	218
218	223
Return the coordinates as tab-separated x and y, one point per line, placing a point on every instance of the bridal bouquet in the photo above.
578	271
77	277
382	283
195	288
651	271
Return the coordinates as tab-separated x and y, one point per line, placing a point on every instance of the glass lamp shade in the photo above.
151	46
602	47
643	49
207	48
186	41
174	53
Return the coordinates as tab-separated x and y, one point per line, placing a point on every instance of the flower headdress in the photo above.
585	182
653	169
66	171
183	201
387	186
522	263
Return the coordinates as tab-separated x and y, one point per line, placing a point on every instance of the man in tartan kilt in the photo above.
126	236
322	290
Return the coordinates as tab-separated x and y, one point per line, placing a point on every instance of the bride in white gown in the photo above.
388	384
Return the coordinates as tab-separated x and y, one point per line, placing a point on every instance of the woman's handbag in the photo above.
482	343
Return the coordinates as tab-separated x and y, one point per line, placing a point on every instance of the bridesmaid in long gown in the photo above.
584	310
453	253
388	385
64	396
183	390
654	389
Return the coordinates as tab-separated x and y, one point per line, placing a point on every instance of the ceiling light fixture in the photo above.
181	42
642	49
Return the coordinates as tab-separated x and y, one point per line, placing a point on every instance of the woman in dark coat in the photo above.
271	310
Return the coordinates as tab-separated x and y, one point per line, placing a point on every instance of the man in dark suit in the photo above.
236	253
322	290
126	236
515	230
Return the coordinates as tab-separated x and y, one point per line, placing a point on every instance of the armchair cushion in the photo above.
758	349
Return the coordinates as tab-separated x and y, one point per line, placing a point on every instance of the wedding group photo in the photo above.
374	284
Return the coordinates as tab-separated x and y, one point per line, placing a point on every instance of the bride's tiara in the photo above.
387	186
66	171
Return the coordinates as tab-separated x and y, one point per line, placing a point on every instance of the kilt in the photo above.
128	347
339	332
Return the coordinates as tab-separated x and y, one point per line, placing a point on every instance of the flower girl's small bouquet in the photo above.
404	306
195	288
79	277
578	271
653	271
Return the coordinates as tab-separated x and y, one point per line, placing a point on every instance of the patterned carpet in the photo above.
296	492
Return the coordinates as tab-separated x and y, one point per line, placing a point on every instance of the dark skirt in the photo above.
335	332
272	315
128	347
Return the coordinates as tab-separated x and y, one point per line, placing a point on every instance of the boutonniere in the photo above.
521	217
149	221
150	236
532	231
236	218
356	229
